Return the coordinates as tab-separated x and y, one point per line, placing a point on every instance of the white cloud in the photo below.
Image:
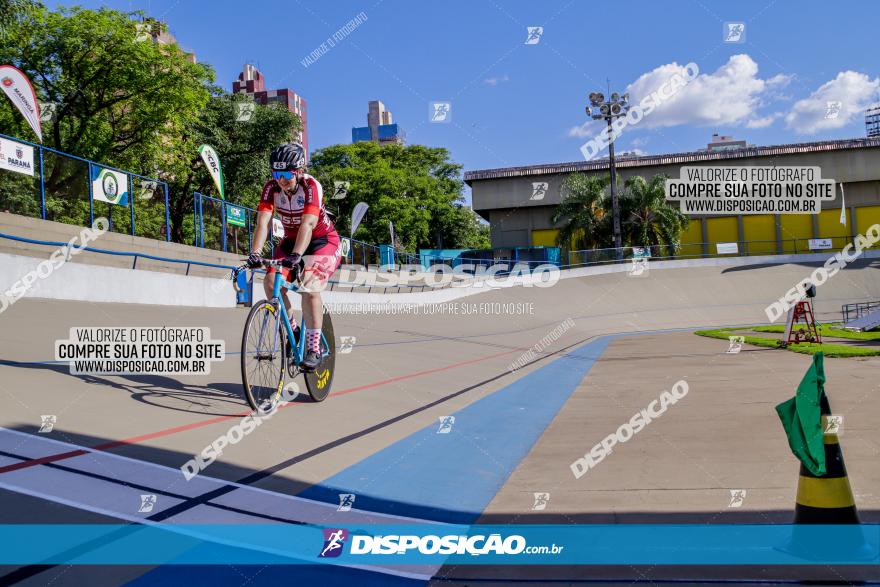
765	121
730	95
494	81
834	105
588	129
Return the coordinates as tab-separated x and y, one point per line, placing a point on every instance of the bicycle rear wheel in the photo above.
263	350
320	382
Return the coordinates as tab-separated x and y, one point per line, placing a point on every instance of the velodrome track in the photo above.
515	433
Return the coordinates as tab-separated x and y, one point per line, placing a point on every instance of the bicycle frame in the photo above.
300	349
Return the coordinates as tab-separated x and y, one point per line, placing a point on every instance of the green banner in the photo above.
235	216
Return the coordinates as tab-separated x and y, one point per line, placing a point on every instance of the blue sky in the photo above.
518	104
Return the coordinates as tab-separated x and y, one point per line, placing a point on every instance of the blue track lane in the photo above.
452	477
448	477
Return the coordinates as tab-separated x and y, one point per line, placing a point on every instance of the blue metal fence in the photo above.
153	185
212	231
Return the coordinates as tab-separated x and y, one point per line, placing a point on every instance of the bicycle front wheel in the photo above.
263	357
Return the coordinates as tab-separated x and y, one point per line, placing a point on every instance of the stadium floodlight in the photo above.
616	107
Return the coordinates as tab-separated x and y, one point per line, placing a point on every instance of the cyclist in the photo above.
310	247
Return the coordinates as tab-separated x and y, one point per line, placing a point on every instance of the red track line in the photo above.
169	431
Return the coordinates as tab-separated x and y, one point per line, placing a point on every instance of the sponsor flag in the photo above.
212	162
18	88
16	157
109	186
842	206
802	418
357	215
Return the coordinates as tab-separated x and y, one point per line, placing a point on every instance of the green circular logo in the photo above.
110	187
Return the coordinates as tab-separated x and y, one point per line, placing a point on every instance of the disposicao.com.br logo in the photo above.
412	544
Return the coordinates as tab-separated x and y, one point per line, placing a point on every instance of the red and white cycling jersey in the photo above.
308	199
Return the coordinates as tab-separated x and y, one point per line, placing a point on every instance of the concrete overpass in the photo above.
504	196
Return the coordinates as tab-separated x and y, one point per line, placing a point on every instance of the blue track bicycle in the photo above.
267	352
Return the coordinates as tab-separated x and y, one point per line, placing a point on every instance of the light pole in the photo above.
614	108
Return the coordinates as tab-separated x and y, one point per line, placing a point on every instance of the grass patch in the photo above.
830	350
825	330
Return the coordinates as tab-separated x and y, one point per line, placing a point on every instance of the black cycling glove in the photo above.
254	260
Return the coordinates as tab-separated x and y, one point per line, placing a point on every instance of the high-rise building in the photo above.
380	127
251	82
157	31
872	120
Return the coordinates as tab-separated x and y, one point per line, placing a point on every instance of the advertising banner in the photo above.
357	215
16	157
235	216
18	88
212	162
727	248
109	186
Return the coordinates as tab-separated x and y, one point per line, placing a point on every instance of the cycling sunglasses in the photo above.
288	175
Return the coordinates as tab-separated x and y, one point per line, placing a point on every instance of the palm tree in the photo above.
647	218
584	212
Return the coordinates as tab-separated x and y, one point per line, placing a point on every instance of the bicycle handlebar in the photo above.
267	263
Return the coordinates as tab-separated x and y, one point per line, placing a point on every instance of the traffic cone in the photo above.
827	499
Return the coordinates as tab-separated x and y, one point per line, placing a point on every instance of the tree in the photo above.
119	98
647	217
11	13
243	148
416	187
584	212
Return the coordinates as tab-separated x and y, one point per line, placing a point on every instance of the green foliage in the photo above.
127	102
585	212
119	100
243	148
646	218
832	330
805	348
415	187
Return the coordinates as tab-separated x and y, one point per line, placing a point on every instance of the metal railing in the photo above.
332	283
64	207
799	246
134	256
213	231
856	310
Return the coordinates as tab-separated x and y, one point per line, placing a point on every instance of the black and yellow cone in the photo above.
827	499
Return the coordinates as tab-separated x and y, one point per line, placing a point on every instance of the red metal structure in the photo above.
802	313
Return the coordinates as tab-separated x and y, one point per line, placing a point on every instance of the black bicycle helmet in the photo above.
287	157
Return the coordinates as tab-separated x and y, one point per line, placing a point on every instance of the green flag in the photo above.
802	418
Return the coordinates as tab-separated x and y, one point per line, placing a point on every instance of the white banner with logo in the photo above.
818	244
212	162
18	88
16	157
109	186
